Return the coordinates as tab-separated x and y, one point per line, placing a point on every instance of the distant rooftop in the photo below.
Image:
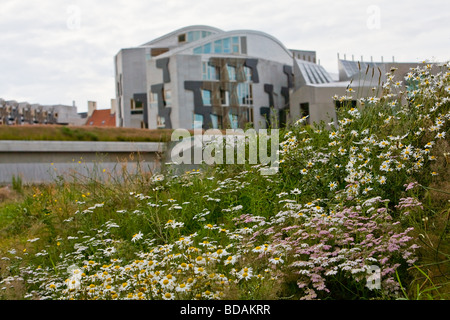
102	118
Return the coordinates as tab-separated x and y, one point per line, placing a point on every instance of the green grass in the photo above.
74	133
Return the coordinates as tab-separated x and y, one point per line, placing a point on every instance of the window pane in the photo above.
198	50
248	73
198	121
231	73
190	36
218	46
206	96
215	121
235	40
226	45
233	120
161	122
207	48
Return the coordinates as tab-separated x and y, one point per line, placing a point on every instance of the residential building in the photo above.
20	113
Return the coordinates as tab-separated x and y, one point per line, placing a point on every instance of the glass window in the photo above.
160	122
224	97
198	50
153	100
198	121
205	70
168	98
210	72
218	46
226	45
233	120
207	48
248	73
206	96
231	73
235	43
245	94
215	121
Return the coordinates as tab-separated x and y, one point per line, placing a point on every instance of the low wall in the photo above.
44	161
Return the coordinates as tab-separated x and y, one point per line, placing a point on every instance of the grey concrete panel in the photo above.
163	111
163	64
199	108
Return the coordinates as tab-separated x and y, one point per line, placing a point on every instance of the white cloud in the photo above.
60	51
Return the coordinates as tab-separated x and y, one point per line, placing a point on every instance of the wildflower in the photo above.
332	185
382	180
296	191
385	166
183	287
200	260
318	209
137	236
304	171
231	260
168	296
276	260
200	271
173	224
440	135
383	144
245	273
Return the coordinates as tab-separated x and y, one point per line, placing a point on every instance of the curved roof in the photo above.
182	30
225	34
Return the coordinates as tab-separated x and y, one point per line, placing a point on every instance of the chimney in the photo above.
92	105
113	106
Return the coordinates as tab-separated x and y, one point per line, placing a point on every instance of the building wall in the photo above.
320	100
130	79
179	69
19	113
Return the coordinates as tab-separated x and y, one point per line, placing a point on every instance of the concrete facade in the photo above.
226	79
232	79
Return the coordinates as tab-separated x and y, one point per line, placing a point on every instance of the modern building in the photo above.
223	79
20	113
315	92
231	79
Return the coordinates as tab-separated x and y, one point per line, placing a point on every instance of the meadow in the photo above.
358	210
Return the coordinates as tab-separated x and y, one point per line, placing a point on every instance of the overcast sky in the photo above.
57	52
